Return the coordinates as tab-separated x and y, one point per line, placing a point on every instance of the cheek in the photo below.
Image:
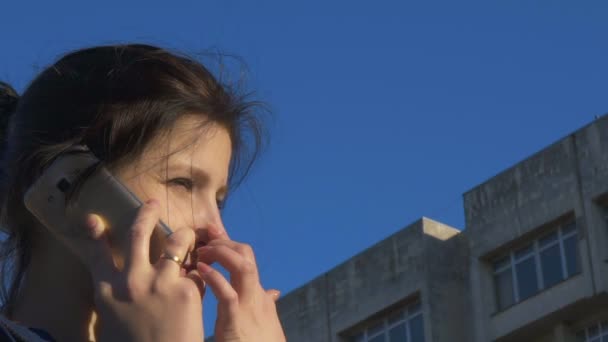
179	210
175	206
177	215
174	211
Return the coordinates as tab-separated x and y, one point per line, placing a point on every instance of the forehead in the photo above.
191	141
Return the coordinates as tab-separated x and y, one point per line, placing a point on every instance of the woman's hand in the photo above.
144	302
246	312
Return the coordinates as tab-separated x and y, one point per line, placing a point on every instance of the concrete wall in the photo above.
591	144
381	276
425	261
516	205
304	313
447	285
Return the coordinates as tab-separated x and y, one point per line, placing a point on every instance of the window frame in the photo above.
602	328
407	312
535	253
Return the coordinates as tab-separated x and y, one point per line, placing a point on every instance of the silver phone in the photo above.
77	176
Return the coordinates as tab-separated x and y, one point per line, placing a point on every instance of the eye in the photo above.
186	183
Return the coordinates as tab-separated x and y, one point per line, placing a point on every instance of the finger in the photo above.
138	240
241	248
224	292
198	280
274	294
243	273
214	232
178	244
98	254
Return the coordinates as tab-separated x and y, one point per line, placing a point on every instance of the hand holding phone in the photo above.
76	184
134	299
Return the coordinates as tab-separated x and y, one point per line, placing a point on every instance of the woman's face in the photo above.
190	184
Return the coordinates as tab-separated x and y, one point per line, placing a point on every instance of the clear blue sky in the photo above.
385	111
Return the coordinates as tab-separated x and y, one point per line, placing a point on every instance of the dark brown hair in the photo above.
114	99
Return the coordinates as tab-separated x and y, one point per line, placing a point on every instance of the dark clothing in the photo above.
15	332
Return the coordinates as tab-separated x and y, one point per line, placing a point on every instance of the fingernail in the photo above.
276	294
203	268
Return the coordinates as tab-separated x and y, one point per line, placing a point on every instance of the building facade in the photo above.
530	265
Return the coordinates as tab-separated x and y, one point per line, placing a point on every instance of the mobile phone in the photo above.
76	184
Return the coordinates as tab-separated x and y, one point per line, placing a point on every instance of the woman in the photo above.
177	138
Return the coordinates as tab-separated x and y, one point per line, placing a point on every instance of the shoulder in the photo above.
12	331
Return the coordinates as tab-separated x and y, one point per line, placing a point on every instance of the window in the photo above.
597	332
538	265
406	325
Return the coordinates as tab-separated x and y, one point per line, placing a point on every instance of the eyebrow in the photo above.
197	173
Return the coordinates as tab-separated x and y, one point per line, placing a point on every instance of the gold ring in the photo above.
172	258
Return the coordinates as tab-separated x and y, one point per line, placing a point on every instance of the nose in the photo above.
207	218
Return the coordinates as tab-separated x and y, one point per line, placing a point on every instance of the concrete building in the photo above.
399	285
538	238
530	265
